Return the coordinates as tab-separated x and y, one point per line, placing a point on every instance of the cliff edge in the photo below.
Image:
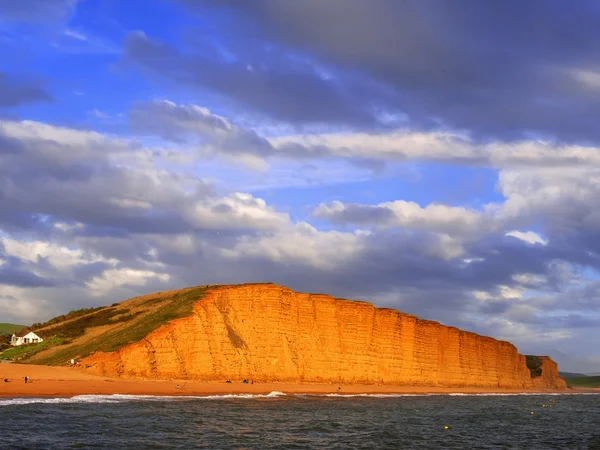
267	332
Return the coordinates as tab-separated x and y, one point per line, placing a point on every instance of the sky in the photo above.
440	158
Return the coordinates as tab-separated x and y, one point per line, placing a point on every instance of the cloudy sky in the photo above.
441	158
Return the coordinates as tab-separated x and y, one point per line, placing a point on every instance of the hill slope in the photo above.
80	333
270	333
584	382
572	375
9	328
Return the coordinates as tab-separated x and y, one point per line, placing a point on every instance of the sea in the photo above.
276	420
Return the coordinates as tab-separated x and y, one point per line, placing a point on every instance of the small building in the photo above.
25	337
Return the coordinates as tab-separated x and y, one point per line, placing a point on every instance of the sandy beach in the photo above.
67	381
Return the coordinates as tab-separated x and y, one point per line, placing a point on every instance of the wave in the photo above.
273	394
370	395
453	394
120	398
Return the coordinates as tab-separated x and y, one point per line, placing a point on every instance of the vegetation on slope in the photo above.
135	319
583	382
9	328
571	375
27	351
6	332
65	317
72	329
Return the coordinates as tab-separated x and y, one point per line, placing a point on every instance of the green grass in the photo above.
9	328
70	315
583	382
98	317
181	305
571	375
28	350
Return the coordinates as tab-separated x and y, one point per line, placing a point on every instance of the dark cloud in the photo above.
196	125
69	177
354	213
14	92
272	87
499	69
14	273
35	10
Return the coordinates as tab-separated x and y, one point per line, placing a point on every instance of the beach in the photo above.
47	381
73	408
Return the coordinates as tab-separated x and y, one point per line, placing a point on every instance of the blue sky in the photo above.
440	160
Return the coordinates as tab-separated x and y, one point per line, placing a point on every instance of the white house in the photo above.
25	337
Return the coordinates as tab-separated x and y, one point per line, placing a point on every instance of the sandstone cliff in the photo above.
270	333
544	372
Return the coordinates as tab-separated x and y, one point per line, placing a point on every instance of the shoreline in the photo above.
50	381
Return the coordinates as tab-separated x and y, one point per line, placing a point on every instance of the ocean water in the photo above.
302	421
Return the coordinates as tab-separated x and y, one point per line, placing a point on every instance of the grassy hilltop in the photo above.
580	380
583	382
10	328
571	375
107	328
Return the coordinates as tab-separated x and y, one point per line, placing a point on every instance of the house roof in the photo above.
25	332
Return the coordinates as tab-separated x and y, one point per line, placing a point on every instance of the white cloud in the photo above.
115	278
75	34
448	148
299	244
236	211
450	220
68	227
53	137
61	258
21	305
98	114
215	135
588	78
531	237
530	279
520	333
564	201
130	203
438	216
208	133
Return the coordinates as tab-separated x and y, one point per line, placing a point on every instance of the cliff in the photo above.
269	333
544	372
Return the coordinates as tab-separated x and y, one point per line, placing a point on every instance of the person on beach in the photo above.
26	379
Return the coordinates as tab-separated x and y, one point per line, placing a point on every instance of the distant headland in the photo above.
269	333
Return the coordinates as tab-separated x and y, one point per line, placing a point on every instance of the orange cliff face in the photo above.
270	333
547	374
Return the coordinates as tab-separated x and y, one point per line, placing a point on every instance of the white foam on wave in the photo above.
120	398
455	394
59	400
487	394
372	395
273	394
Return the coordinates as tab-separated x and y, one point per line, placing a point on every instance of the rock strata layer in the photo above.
270	333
